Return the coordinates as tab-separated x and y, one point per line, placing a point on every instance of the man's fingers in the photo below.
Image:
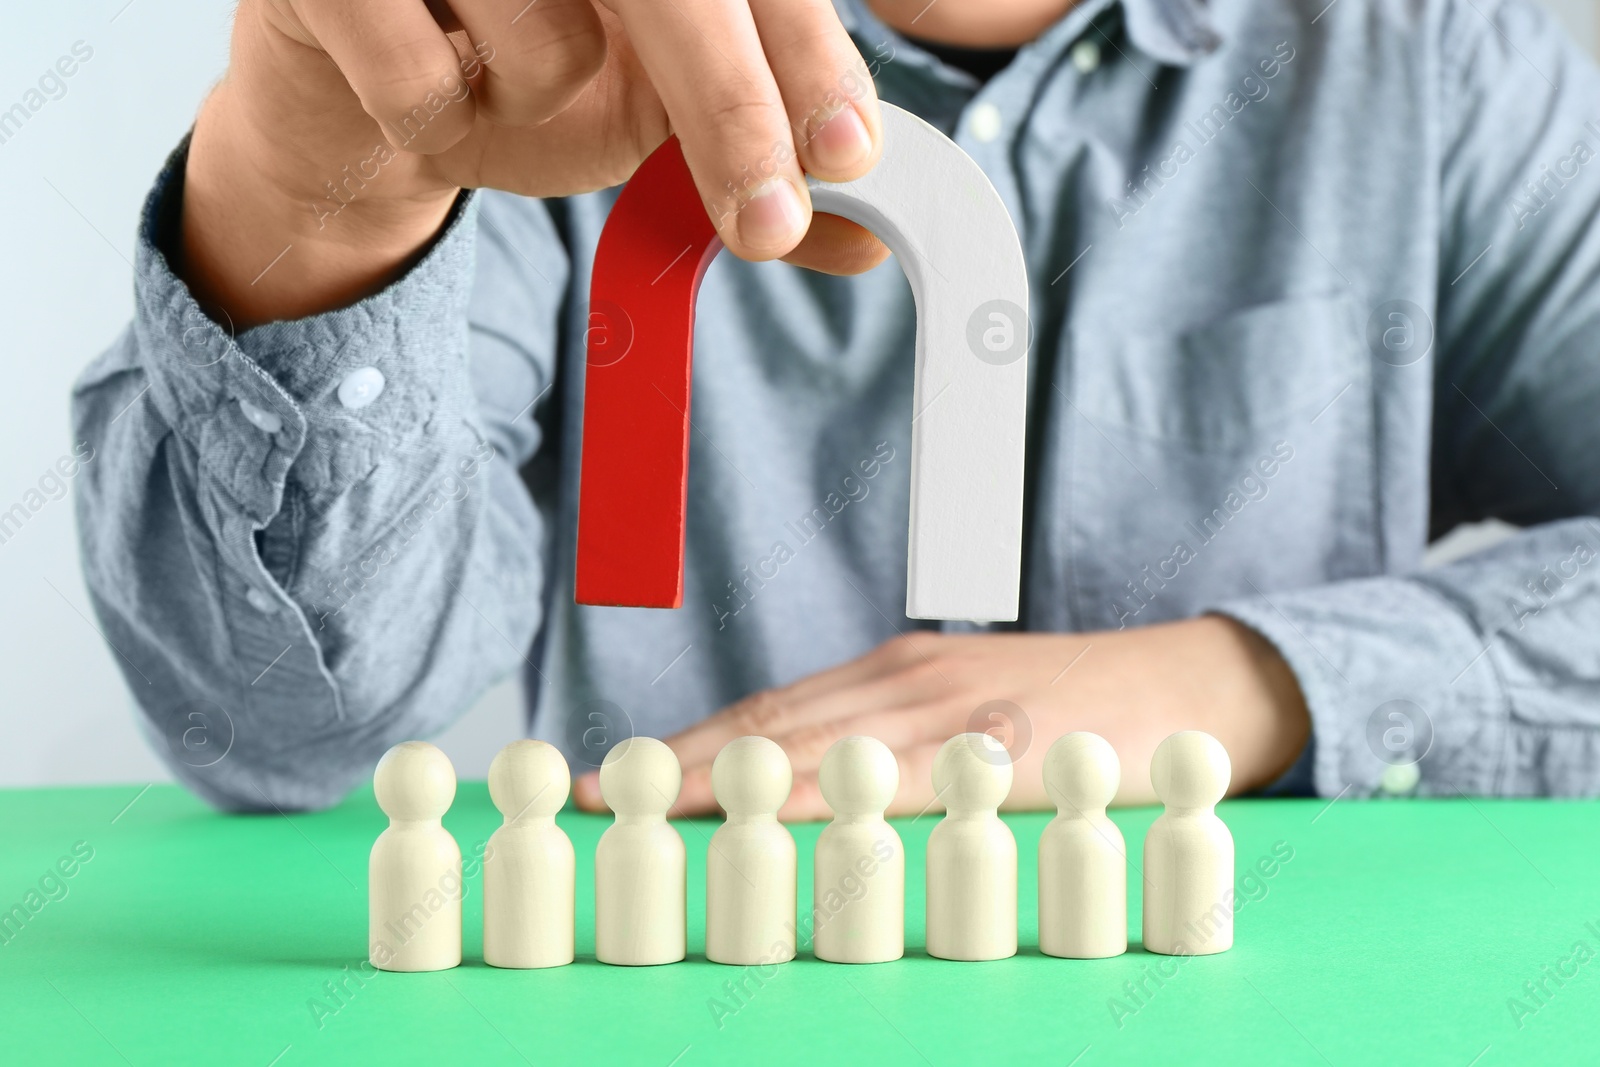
874	707
916	797
827	93
696	798
805	803
403	69
894	674
700	743
874	664
1027	777
586	792
705	60
559	157
907	731
802	723
901	729
536	57
835	245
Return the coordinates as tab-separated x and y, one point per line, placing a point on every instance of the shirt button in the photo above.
261	601
985	122
1086	56
360	387
262	419
1399	779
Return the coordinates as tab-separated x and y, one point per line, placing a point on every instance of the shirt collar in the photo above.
1176	32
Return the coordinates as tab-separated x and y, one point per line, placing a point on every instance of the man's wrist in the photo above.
257	245
1281	725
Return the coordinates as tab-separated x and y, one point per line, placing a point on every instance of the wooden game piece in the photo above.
1083	873
528	867
972	855
859	884
750	864
414	872
639	864
950	231
1188	852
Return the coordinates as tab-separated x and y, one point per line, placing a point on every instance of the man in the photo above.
1312	284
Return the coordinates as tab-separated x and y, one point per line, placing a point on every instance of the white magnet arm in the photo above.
936	210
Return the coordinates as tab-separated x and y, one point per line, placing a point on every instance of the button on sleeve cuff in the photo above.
320	399
1392	674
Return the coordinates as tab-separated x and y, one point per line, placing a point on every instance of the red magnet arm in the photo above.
633	495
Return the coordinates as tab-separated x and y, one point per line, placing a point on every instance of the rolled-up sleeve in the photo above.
1482	685
1484	675
307	541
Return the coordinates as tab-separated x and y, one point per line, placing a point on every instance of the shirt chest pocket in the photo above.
1208	464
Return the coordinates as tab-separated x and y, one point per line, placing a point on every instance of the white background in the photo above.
72	181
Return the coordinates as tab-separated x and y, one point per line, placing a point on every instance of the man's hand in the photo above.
1132	687
343	131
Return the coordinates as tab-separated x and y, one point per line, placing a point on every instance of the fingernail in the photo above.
586	790
842	142
772	217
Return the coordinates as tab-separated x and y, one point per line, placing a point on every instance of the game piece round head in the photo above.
1190	770
527	778
414	780
972	772
1081	773
640	776
751	776
858	776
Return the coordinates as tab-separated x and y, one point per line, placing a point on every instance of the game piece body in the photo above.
1188	852
972	855
1083	872
750	863
859	872
639	864
414	872
529	866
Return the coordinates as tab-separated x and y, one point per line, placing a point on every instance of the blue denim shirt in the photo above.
1311	284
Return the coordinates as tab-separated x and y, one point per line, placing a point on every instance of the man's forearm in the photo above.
241	544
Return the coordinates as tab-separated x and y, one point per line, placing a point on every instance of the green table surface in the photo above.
1399	932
